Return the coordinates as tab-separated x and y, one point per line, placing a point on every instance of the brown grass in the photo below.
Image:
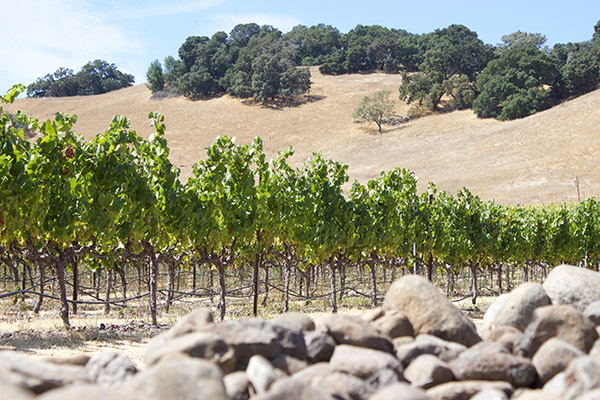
532	160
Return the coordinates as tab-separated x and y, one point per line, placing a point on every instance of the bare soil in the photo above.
532	160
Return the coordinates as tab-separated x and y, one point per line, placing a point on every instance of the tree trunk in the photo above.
170	284
221	306
286	286
525	272
499	277
108	290
38	304
342	281
123	276
255	288
474	288
332	283
75	265
264	302
430	268
373	284
59	272
152	283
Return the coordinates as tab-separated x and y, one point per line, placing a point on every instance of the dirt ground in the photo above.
92	332
532	160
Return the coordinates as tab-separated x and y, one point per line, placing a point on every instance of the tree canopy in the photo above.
95	77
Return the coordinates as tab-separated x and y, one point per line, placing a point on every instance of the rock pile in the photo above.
537	342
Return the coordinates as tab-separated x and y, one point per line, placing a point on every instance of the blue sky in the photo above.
39	36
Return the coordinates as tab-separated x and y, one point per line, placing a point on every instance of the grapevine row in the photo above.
67	203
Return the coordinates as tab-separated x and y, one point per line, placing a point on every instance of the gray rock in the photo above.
237	385
536	395
591	395
571	285
77	359
490	394
319	346
592	311
394	324
563	322
87	392
516	308
347	329
427	371
261	373
288	364
38	376
553	357
582	375
290	389
207	345
490	361
363	362
193	322
256	336
505	335
466	389
427	344
296	321
109	369
179	378
429	311
373	314
402	391
16	393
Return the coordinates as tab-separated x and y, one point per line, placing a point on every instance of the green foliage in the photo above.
155	78
516	84
520	39
253	61
376	108
96	77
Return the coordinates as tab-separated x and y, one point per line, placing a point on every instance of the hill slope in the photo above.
532	160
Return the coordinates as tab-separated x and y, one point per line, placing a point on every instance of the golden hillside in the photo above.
532	160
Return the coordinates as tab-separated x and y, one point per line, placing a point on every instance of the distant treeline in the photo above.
95	77
445	70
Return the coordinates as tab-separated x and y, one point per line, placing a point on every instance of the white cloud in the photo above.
48	34
226	22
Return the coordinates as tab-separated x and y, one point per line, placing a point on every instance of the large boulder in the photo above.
490	361
581	376
465	390
256	336
109	369
394	324
348	329
400	390
407	351
553	357
592	311
179	377
86	392
564	322
363	362
38	376
516	308
207	345
427	371
429	311
571	285
319	346
262	374
291	389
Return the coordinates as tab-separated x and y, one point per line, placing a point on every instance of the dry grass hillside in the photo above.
532	160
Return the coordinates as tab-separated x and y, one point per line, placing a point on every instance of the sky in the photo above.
39	36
